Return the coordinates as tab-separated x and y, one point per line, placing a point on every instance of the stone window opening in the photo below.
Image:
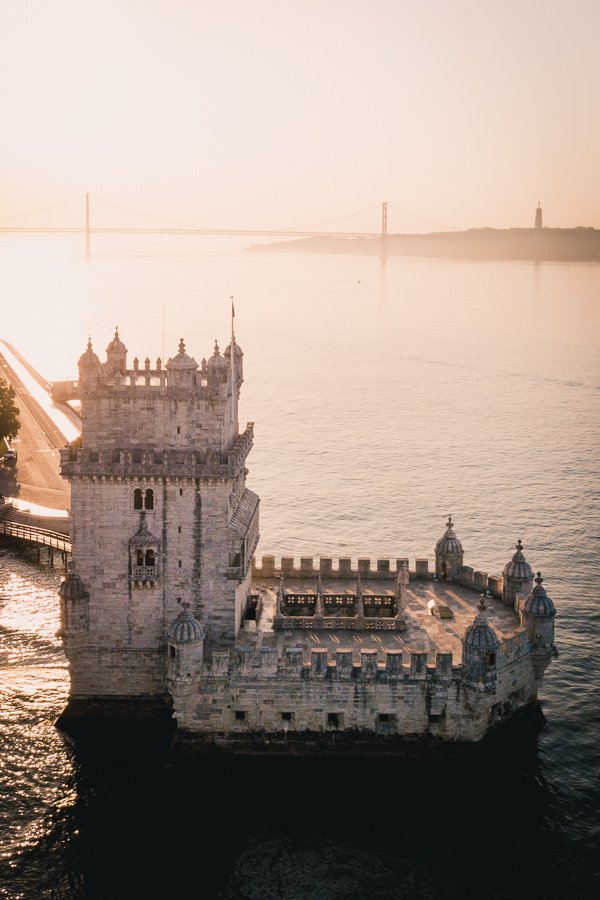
240	715
334	720
490	659
178	430
172	651
143	499
287	716
181	492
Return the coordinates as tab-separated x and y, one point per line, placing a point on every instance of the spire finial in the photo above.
449	523
116	332
181	345
520	545
89	343
217	351
539	578
481	603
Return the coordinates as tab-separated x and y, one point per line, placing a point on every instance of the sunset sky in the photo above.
272	112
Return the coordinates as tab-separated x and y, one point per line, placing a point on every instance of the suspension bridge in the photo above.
10	225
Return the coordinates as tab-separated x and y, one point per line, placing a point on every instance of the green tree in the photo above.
9	414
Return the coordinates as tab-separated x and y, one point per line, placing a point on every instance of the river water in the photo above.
385	396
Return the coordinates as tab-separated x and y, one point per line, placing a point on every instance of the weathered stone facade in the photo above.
165	604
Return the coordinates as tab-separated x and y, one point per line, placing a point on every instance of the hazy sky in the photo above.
264	112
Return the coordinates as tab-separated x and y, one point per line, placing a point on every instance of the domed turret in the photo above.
480	652
448	554
186	646
89	368
517	577
239	361
73	604
116	356
186	629
217	369
181	369
538	614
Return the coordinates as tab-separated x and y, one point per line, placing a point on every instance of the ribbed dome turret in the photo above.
480	635
518	567
89	360
216	361
449	543
72	587
538	603
238	351
182	360
116	345
186	629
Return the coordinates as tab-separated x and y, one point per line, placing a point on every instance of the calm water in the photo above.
384	398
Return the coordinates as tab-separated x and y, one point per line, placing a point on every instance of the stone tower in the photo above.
538	216
163	523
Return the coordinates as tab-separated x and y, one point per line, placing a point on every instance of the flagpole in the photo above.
232	364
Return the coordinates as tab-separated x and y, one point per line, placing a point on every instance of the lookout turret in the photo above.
448	554
480	653
89	368
517	576
116	356
181	369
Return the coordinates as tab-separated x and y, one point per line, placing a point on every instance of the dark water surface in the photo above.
383	398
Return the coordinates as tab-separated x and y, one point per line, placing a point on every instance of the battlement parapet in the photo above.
343	664
149	463
383	569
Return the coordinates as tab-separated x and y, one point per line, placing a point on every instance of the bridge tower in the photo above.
162	521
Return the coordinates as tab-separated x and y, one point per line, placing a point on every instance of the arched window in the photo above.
139	558
149	499
138	499
150	559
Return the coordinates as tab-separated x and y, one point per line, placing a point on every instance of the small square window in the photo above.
333	720
286	716
385	718
240	715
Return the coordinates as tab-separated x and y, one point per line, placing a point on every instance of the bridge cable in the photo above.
39	209
406	212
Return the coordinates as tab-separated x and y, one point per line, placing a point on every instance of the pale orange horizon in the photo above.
288	113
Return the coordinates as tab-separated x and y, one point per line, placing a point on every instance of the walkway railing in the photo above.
40	536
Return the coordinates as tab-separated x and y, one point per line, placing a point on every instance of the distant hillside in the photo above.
475	243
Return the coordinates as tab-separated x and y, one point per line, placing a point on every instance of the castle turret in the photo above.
116	356
448	554
73	605
185	646
181	369
89	369
517	577
217	370
239	362
537	615
480	653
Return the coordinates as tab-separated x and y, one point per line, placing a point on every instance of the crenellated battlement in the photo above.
143	462
342	664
